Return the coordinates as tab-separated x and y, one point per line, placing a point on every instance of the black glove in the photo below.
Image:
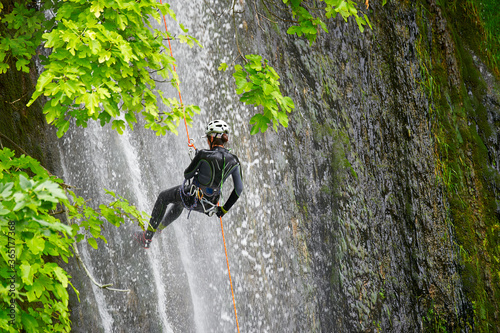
220	211
189	200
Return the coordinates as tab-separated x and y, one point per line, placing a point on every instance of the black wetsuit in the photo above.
208	170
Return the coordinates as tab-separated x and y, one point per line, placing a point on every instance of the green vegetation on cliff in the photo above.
460	41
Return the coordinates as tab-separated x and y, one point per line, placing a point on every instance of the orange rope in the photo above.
229	272
178	88
192	145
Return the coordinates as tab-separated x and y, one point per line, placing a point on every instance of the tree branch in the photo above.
217	16
102	286
162	81
236	32
16	146
80	260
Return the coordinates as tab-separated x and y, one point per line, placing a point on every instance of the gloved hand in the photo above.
220	211
189	200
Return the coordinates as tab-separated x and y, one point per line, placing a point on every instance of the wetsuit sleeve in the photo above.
237	190
193	166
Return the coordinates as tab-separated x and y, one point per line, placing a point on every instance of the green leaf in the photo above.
267	88
21	64
222	67
95	231
240	79
24	182
62	129
19	205
118	125
6	190
367	21
56	226
92	242
50	191
261	123
254	130
283	119
36	244
29	323
360	23
111	193
96	8
26	273
294	30
3	210
126	51
38	288
45	78
60	274
3	68
259	86
122	21
183	28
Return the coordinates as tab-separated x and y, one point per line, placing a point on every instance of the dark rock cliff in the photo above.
393	168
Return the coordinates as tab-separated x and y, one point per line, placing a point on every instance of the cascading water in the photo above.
181	283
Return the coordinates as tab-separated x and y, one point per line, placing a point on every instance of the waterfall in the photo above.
181	283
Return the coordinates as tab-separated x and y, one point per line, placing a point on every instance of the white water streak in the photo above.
133	164
198	304
106	318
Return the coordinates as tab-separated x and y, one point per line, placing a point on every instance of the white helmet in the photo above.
217	127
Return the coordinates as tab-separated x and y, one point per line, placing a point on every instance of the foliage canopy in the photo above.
105	56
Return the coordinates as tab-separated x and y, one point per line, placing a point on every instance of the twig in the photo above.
20	98
80	260
257	16
162	81
236	32
102	286
217	16
156	70
266	18
16	146
58	212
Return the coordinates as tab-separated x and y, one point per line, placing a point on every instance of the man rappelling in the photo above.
202	187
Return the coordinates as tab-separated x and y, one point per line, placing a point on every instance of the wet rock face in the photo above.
371	220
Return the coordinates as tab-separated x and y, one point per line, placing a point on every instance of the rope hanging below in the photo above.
229	273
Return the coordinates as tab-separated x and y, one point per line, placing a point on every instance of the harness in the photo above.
199	195
196	193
